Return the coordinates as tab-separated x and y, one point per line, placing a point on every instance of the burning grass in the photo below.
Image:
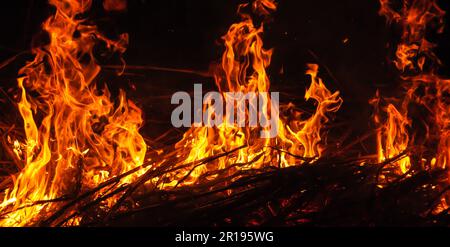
79	159
329	191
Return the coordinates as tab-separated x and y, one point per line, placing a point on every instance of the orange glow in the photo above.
243	69
115	5
78	137
392	136
82	138
418	64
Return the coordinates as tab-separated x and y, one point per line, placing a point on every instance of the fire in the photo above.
424	88
243	69
392	136
76	136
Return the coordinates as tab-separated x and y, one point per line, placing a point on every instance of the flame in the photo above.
76	137
414	17
392	136
418	64
243	69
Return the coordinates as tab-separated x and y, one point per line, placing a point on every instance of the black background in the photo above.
282	236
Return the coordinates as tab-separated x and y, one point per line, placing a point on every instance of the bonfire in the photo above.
74	152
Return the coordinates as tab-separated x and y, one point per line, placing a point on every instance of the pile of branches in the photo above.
329	191
325	192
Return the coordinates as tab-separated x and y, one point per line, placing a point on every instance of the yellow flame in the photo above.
243	69
81	130
417	61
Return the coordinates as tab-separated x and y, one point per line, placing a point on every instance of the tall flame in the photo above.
243	69
76	137
418	64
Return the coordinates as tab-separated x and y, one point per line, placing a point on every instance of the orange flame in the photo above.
83	138
414	17
418	63
77	138
243	69
392	137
